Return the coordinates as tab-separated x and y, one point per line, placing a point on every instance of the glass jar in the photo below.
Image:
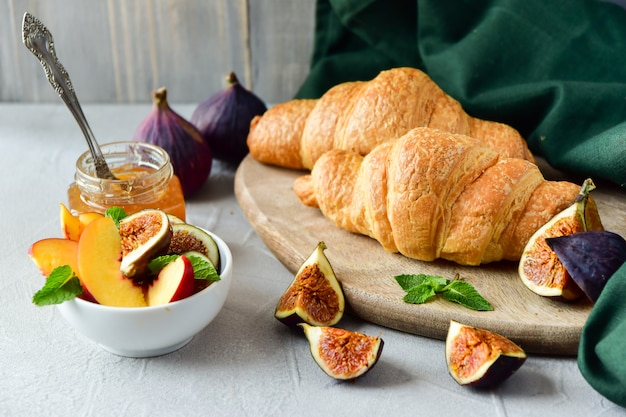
145	179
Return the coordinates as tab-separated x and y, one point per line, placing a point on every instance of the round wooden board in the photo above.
366	271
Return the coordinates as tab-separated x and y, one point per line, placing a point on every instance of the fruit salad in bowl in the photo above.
138	285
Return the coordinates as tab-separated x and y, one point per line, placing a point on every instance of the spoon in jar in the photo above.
38	39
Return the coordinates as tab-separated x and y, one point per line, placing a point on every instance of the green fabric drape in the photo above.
555	70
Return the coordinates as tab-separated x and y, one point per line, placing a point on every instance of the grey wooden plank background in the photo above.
118	51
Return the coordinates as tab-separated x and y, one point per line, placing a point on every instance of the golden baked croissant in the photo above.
359	115
432	194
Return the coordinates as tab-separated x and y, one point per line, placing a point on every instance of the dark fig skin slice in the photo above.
314	296
342	354
480	358
590	258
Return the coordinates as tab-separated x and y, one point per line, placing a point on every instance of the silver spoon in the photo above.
38	39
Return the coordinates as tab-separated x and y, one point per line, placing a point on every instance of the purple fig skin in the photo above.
189	153
502	369
224	120
590	258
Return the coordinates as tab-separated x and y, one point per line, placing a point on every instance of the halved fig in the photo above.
314	296
342	354
186	237
145	235
175	219
539	268
479	357
590	258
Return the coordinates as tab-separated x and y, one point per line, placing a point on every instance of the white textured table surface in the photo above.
245	363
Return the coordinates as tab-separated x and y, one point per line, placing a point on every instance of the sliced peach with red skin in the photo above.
174	282
50	253
99	256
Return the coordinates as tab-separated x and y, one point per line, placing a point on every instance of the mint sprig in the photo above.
115	213
61	285
421	287
202	269
158	263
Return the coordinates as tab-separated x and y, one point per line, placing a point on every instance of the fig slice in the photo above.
342	354
479	357
145	235
186	238
314	296
539	268
590	258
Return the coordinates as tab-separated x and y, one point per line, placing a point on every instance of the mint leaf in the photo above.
419	294
61	285
202	269
158	263
115	213
409	281
464	293
422	287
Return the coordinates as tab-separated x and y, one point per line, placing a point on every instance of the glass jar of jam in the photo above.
145	179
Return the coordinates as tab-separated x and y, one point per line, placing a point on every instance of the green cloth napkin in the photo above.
555	70
602	349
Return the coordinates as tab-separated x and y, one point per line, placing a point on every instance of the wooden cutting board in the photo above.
366	271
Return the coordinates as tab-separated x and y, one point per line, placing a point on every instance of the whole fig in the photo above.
189	153
224	120
591	258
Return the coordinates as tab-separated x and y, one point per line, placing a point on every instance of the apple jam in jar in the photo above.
145	179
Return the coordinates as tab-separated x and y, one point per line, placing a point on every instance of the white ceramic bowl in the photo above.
151	331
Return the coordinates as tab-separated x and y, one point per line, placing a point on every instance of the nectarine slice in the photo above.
174	282
50	253
99	256
86	218
70	224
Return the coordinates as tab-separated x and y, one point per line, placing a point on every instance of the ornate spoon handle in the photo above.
38	39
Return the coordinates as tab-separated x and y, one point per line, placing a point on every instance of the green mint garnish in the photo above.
203	269
158	263
115	213
464	293
421	287
61	285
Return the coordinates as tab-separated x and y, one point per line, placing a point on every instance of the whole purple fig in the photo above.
591	258
189	153
224	120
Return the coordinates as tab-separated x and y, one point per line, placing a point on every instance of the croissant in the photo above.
359	115
432	194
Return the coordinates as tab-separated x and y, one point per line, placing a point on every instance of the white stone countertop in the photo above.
245	363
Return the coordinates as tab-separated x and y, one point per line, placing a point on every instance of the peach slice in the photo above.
86	218
50	253
99	256
70	224
175	282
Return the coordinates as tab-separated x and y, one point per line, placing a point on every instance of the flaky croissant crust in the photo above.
358	116
432	194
